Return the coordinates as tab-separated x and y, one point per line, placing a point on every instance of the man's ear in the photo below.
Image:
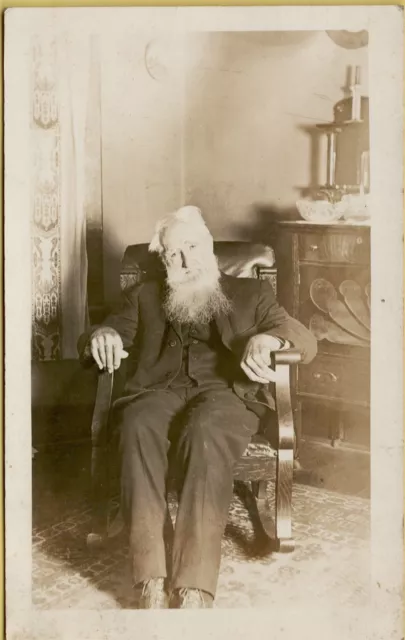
155	245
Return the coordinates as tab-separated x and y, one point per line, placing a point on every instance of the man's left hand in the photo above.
257	358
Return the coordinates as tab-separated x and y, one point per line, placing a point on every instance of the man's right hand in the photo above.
107	348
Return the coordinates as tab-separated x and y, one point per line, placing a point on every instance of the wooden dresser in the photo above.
322	262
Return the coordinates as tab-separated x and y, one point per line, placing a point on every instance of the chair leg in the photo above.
99	498
283	498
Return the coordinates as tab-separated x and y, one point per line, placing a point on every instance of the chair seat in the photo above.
259	447
257	462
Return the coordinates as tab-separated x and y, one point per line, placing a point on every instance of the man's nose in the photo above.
184	260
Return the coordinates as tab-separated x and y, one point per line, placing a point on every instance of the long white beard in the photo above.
196	300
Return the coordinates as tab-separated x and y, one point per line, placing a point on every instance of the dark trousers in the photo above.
209	431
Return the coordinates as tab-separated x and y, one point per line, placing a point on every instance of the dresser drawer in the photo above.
350	248
337	378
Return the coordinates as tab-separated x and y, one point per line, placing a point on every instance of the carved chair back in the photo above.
239	259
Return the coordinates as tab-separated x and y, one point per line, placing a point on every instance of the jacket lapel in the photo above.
229	326
223	320
176	326
245	389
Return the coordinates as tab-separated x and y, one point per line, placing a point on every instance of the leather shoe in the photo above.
191	599
151	594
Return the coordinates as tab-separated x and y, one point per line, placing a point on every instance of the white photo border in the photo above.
384	619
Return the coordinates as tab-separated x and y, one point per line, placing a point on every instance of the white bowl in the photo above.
320	210
356	207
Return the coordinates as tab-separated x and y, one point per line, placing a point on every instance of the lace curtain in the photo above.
61	116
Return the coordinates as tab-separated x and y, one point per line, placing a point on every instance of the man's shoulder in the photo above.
243	285
144	290
152	290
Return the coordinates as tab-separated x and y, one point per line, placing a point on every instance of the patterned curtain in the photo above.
60	83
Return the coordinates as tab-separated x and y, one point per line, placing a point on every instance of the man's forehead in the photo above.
180	233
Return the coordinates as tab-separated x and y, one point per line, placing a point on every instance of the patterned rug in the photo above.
330	562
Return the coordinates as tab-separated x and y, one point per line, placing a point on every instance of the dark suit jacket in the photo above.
155	347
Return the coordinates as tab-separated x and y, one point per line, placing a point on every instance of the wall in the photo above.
246	137
141	149
216	119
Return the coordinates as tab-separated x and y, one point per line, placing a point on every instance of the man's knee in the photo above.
144	418
196	433
206	421
210	439
135	420
203	441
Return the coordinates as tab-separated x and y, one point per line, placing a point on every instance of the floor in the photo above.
331	513
340	469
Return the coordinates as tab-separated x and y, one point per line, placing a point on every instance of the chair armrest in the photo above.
99	459
286	356
282	361
99	425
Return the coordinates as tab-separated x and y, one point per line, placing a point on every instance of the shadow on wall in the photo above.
258	220
315	138
63	395
112	256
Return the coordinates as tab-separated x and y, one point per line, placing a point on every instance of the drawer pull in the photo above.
359	240
313	247
325	374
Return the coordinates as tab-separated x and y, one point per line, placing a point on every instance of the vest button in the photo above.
172	343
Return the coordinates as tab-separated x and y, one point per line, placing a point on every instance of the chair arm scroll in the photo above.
286	356
282	360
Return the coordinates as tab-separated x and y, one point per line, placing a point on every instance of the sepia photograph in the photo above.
204	302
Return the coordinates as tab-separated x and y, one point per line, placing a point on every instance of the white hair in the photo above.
188	215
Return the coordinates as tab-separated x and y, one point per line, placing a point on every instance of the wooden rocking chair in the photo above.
265	454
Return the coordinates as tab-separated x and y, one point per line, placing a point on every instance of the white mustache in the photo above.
178	276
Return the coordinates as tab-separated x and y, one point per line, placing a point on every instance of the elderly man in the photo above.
190	340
